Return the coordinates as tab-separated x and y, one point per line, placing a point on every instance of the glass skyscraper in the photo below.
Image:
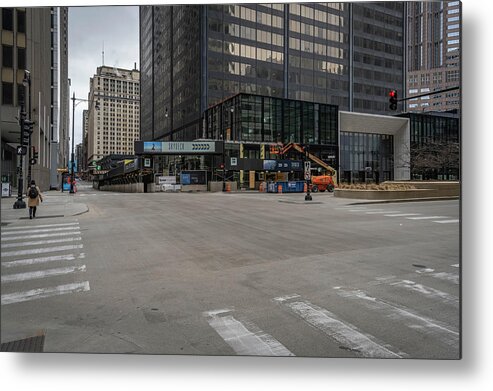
193	57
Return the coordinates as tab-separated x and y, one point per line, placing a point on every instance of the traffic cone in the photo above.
279	189
304	188
228	187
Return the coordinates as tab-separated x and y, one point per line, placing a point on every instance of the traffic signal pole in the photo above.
19	203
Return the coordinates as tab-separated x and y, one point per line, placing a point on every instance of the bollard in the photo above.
228	187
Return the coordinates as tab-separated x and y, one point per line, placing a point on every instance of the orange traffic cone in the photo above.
304	188
279	189
228	187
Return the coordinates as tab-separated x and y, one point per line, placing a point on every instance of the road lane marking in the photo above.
382	212
343	333
403	214
34	261
9	239
424	290
452	277
25	244
414	321
42	274
243	341
43	293
447	221
40	250
42	230
37	226
426	217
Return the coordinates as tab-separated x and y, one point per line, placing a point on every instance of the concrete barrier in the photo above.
422	190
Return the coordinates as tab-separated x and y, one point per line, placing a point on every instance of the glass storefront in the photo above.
366	157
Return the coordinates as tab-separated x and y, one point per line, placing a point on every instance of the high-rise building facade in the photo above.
29	39
192	57
433	55
113	113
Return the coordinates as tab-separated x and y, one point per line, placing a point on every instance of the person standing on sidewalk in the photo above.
34	197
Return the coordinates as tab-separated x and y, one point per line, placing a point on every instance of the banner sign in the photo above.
177	147
282	165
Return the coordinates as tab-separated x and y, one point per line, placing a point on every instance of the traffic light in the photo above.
27	130
393	100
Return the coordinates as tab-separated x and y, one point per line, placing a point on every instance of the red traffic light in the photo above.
393	93
393	100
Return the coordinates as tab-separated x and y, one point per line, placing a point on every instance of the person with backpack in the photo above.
34	197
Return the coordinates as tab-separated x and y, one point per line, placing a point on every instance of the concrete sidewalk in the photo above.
55	204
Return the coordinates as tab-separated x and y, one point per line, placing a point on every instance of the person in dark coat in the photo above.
33	198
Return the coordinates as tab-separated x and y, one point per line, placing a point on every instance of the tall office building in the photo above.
113	116
433	58
192	57
29	39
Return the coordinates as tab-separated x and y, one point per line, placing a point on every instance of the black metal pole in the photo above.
29	169
224	149
19	203
72	158
308	196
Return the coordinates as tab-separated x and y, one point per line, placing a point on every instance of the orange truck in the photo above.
322	183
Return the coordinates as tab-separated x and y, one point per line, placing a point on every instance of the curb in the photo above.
406	200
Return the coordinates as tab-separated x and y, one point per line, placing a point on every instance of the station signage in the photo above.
176	147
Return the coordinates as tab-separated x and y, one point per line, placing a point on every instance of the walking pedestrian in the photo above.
34	197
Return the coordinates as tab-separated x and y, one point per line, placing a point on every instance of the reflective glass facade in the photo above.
366	157
345	54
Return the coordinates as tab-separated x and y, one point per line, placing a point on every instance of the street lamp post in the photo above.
20	203
27	83
72	163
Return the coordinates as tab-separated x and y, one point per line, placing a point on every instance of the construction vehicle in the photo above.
318	183
322	183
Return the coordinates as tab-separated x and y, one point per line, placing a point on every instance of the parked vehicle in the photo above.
322	183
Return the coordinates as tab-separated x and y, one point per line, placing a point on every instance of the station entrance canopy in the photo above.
178	147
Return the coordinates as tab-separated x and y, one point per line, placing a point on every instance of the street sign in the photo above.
234	161
308	166
176	147
21	150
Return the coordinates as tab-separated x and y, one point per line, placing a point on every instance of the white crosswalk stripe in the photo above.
402	214
342	332
21	285
452	277
42	293
12	238
438	330
426	217
241	338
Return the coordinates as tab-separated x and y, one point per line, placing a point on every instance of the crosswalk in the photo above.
355	336
414	216
40	261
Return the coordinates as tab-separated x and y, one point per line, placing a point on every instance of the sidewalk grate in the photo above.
26	345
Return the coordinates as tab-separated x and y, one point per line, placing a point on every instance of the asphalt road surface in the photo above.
236	274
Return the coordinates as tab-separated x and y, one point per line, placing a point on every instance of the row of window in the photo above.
315	31
8	20
8	57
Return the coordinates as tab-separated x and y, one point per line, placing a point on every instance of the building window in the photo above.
453	26
454	11
21	22
21	58
7	93
8	19
7	55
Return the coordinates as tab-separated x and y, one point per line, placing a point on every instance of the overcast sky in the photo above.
116	27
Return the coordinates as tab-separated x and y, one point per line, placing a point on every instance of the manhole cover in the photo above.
26	345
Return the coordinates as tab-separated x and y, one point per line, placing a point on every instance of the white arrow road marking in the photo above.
43	293
37	226
425	290
419	323
343	333
33	261
447	221
440	275
403	214
42	230
11	238
42	274
241	339
40	250
24	244
426	217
